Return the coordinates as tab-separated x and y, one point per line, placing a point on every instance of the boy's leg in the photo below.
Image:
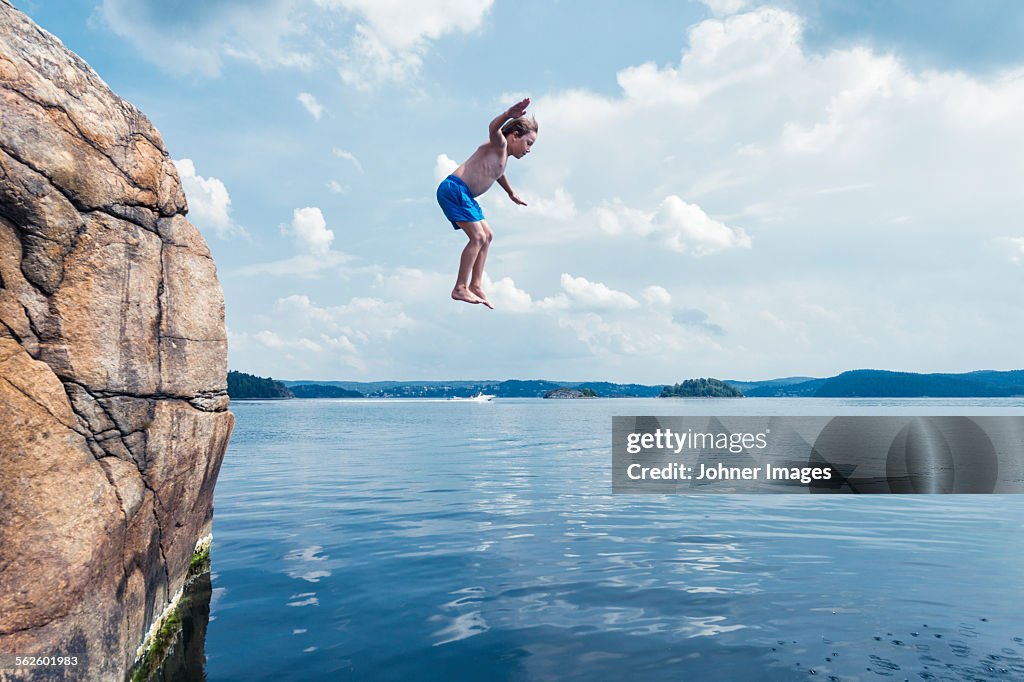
477	239
476	283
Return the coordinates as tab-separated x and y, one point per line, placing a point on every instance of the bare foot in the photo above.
479	293
464	294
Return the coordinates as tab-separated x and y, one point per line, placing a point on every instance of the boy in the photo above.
475	176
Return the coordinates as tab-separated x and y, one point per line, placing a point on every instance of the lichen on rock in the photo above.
113	363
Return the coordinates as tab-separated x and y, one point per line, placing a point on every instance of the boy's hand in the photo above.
515	199
518	109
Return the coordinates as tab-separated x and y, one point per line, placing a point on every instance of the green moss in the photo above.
164	637
158	648
200	563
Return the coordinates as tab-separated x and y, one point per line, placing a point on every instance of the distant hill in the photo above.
242	386
874	383
701	388
323	391
515	388
747	386
570	393
866	383
512	388
369	387
1013	377
802	389
870	383
607	390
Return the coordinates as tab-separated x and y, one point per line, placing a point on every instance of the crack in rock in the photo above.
85	181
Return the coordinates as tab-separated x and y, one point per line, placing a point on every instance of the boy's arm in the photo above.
503	181
514	111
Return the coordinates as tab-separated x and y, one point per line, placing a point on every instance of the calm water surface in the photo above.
441	540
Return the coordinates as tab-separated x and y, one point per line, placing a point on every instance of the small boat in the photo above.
478	398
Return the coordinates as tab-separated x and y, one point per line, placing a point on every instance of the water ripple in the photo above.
443	546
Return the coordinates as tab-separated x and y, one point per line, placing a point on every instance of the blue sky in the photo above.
722	188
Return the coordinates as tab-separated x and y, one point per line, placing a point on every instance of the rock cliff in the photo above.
113	360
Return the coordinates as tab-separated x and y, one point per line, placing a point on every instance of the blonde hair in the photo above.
520	126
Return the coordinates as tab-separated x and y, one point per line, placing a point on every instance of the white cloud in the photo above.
553	207
608	322
443	167
301	265
507	296
309	229
348	156
686	227
616	218
335	187
560	206
603	337
393	36
314	107
361	321
198	38
754	42
725	7
657	296
402	24
576	293
595	294
864	182
306	337
369	42
413	286
803	148
277	342
635	333
208	201
1013	247
681	226
370	61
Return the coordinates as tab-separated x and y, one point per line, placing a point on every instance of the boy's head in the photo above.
520	133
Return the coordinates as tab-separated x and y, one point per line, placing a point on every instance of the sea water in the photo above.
445	540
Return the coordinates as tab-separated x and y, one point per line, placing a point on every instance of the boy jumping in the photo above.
475	176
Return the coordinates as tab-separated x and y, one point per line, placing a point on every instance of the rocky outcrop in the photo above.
570	393
113	402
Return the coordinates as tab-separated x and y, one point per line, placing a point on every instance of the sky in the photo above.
723	188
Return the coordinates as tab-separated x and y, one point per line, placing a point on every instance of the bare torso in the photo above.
486	165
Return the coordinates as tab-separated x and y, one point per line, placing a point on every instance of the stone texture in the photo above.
106	309
113	400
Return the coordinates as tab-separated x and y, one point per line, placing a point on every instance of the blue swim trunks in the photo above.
456	201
